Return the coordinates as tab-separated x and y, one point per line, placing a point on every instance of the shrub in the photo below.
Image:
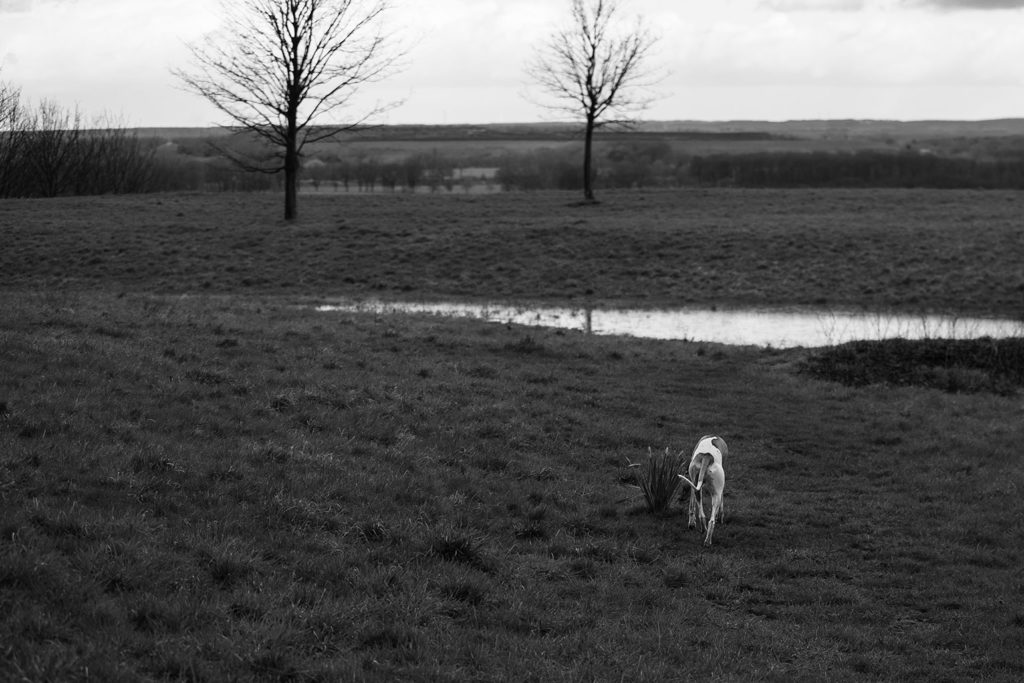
953	365
658	479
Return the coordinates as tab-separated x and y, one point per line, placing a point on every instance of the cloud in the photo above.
886	44
859	5
813	5
973	4
15	5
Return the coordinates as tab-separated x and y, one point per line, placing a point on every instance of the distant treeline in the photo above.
366	173
47	152
619	165
654	165
178	173
859	169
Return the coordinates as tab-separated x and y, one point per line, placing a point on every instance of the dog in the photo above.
707	469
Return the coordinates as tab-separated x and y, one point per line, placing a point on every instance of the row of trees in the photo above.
188	165
651	164
48	151
178	174
366	173
629	165
860	169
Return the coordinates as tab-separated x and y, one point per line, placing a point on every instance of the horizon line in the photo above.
625	124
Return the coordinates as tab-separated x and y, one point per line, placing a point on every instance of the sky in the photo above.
718	59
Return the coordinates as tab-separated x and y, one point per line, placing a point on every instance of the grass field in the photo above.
201	480
958	252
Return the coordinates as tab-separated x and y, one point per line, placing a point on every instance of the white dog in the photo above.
707	467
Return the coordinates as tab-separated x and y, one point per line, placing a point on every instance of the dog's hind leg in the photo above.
692	521
716	511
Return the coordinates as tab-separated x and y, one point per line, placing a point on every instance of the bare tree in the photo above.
276	67
12	134
9	98
54	148
114	159
596	70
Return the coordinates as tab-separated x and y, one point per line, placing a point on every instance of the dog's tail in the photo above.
704	462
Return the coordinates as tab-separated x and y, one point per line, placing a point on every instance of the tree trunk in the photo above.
290	187
291	174
588	175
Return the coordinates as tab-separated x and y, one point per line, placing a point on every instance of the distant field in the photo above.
202	481
950	251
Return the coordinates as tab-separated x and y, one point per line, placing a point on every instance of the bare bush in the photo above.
48	152
12	134
53	154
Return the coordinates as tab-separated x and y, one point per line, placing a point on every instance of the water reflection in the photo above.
776	328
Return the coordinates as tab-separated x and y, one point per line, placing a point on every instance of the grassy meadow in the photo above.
951	251
203	479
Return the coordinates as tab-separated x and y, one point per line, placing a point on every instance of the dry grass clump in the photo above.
658	478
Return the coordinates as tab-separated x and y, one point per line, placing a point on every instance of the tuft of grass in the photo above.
658	478
525	344
372	531
459	546
470	590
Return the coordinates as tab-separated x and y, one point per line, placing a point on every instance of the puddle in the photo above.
776	328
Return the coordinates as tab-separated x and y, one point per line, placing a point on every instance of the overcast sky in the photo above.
725	59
